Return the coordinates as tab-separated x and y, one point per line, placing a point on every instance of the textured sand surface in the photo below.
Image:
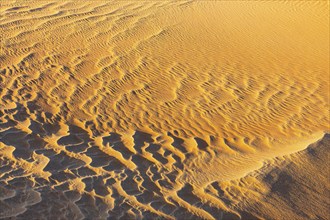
164	109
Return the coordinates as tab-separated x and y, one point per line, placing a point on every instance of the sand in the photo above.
164	109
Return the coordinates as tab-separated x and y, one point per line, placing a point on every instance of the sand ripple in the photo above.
164	109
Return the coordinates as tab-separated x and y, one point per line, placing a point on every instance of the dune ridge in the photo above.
164	109
139	176
135	176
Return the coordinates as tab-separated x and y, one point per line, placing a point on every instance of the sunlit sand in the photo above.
164	109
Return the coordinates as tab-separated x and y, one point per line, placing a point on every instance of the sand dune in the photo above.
164	109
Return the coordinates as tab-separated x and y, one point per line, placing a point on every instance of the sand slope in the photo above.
294	186
169	109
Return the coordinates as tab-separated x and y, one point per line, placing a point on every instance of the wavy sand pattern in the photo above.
164	109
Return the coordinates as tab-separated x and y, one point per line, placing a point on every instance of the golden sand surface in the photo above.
164	109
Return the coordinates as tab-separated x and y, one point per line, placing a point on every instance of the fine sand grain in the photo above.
164	109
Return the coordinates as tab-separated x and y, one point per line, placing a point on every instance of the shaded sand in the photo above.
164	109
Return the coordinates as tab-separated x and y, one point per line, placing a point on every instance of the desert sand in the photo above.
164	109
